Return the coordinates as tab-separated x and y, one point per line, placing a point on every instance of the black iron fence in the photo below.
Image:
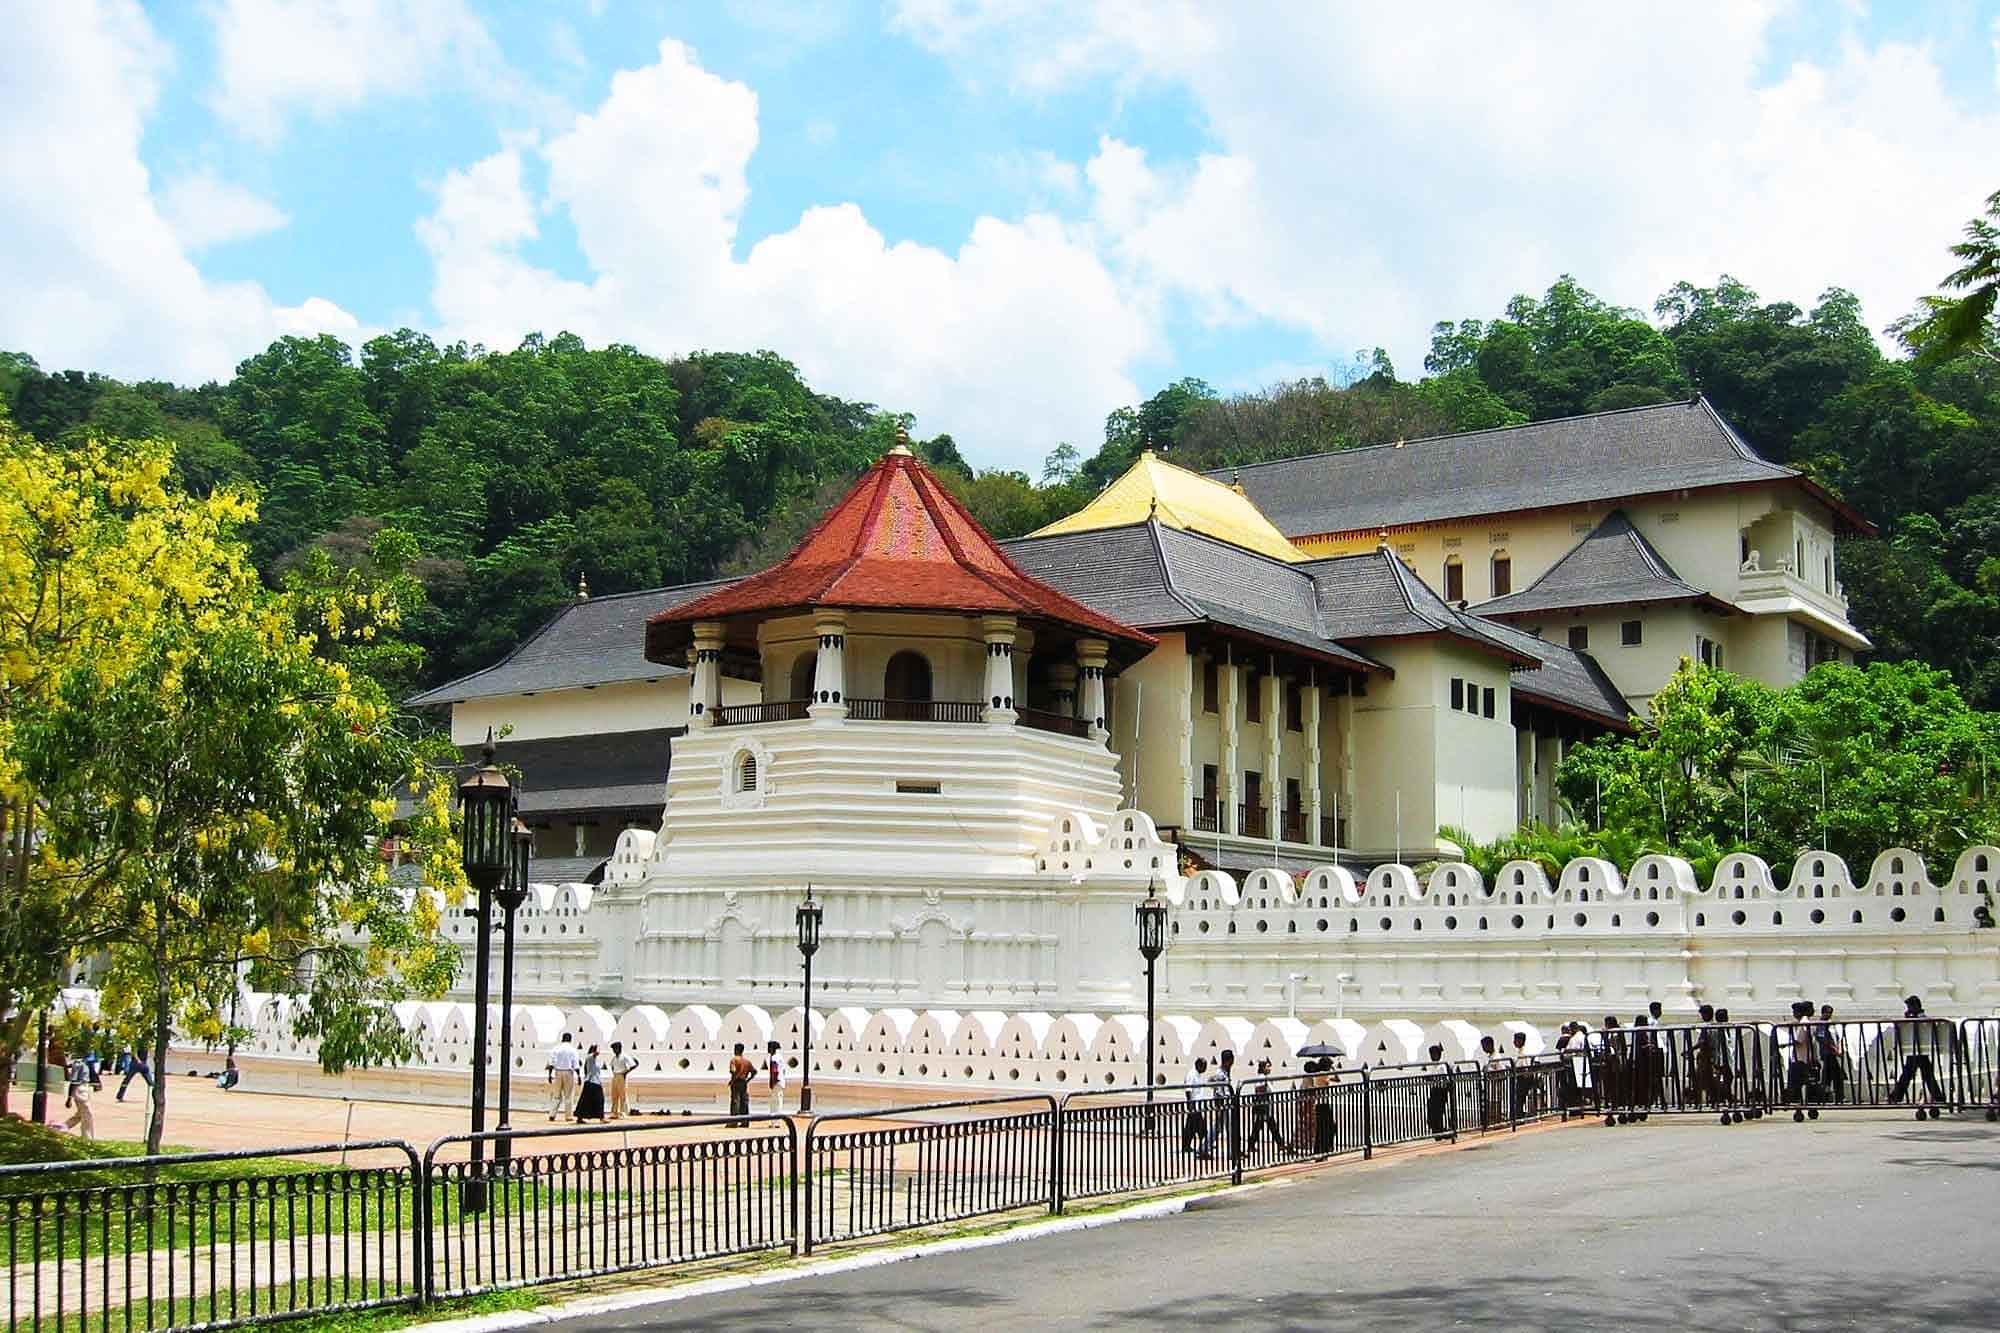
211	1240
918	1166
587	1200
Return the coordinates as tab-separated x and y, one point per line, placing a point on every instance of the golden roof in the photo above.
1153	487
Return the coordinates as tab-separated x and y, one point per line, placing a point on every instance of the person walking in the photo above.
1438	1098
1260	1109
590	1100
1195	1127
1832	1072
774	1080
562	1068
1305	1130
741	1071
135	1067
1913	1034
1221	1106
77	1074
621	1066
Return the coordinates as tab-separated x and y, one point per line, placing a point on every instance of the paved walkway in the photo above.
1846	1223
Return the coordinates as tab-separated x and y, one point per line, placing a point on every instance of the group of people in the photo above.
1212	1106
576	1082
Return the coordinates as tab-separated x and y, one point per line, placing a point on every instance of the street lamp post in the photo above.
1152	919
808	919
521	848
486	806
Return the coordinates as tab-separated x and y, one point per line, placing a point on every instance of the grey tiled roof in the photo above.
1151	576
1568	680
1614	566
1376	596
610	770
1575	460
601	641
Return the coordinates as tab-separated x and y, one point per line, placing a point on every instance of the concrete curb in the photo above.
595	1305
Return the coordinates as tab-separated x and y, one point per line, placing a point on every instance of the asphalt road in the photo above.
1684	1225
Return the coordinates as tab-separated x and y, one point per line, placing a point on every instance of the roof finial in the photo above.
582	586
1382	539
486	751
1153	509
902	445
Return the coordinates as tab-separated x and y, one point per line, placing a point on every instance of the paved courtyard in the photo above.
1853	1223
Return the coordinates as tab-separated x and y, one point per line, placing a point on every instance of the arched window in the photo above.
804	672
907	678
746	772
1454	579
1503	573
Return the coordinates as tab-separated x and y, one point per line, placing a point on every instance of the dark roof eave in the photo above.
1706	601
664	636
1485	645
1536	699
1358	663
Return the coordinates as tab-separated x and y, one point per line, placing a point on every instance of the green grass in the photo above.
187	1206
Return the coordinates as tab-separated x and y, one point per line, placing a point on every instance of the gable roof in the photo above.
1604	456
1613	566
1568	680
593	642
897	541
1178	498
1375	595
1157	577
610	770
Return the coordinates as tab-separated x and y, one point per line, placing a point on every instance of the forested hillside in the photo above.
519	472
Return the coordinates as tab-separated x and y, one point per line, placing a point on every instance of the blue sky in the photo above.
1008	216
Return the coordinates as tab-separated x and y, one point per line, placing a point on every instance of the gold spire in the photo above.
902	445
582	586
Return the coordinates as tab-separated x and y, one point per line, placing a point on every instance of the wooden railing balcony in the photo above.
1332	831
1252	820
915	710
746	715
1060	723
1293	827
1206	815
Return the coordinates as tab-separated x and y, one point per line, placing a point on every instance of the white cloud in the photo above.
323	56
203	210
1373	170
1020	337
93	272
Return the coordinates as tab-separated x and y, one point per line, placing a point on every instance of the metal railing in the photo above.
743	715
917	1166
211	1240
1205	815
1060	723
188	1240
915	710
535	1217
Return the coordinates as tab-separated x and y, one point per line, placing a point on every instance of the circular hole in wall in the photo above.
1518	922
1896	914
1738	917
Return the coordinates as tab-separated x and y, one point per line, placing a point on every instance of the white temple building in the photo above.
981	755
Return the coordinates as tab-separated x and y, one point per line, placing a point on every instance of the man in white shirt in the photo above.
774	1074
1221	1104
621	1065
563	1066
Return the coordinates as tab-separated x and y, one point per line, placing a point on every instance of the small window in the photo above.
1503	574
1208	687
918	788
1457	694
1454	580
1253	697
1579	638
746	773
1486	708
1629	633
1295	708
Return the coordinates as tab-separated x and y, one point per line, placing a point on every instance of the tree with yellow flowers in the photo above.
199	784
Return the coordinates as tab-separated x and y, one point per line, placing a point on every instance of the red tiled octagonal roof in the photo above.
898	541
